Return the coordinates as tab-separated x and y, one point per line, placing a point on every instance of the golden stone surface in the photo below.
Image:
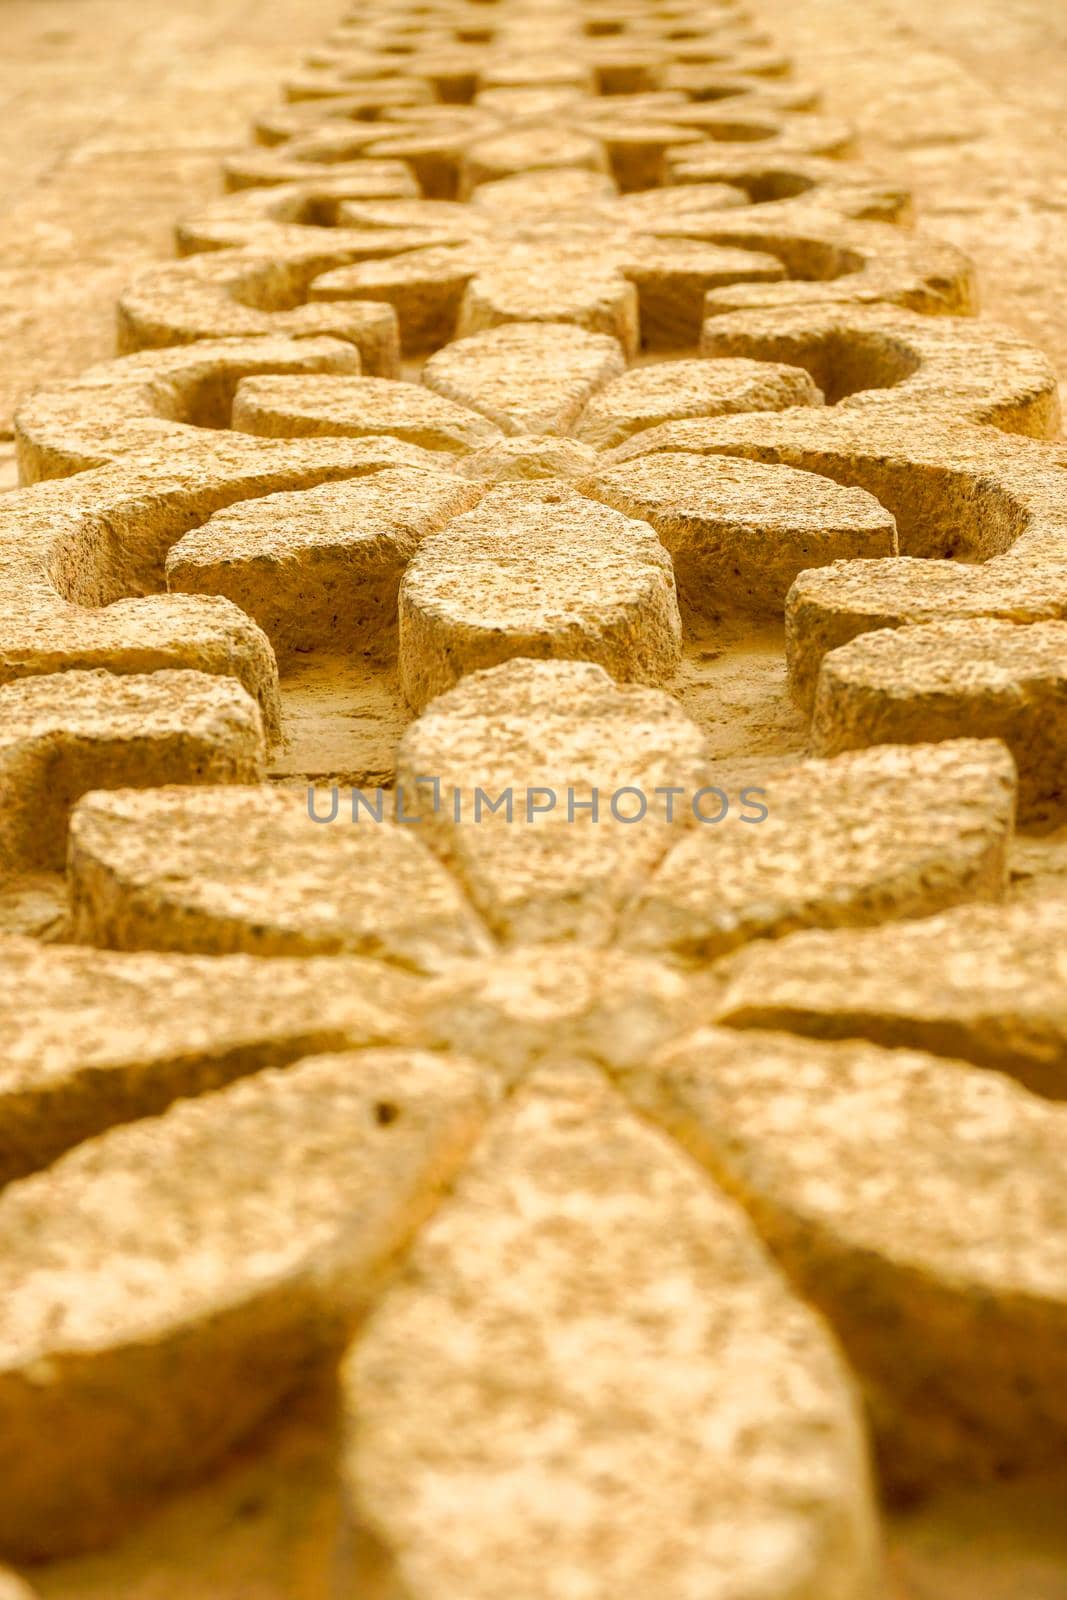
533	804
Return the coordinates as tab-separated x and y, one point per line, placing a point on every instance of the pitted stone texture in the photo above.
41	633
586	267
978	677
638	146
886	358
547	133
586	1303
957	491
688	211
669	391
425	288
829	606
527	378
65	733
168	1283
674	276
920	1205
986	984
92	1038
758	172
840	263
709	260
554	1002
432	141
216	871
537	571
288	220
645	292
992	503
563	287
541	729
233	293
323	231
740	531
154	400
81	561
863	838
350	407
320	568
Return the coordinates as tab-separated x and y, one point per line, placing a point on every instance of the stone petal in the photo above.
740	531
549	728
215	871
556	1001
65	733
92	1038
526	377
177	1277
978	677
985	983
320	567
920	1204
537	571
668	391
592	1381
863	838
282	410
552	287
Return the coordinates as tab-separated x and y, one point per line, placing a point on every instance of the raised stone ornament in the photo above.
533	868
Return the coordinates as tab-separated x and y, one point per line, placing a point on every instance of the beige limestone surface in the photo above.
773	1315
963	102
117	116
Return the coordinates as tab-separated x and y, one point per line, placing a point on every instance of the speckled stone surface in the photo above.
669	391
563	740
551	1002
537	571
738	531
919	1203
156	397
982	677
178	1276
526	378
320	567
585	1303
63	734
220	870
861	838
829	606
188	1024
351	407
550	425
985	983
